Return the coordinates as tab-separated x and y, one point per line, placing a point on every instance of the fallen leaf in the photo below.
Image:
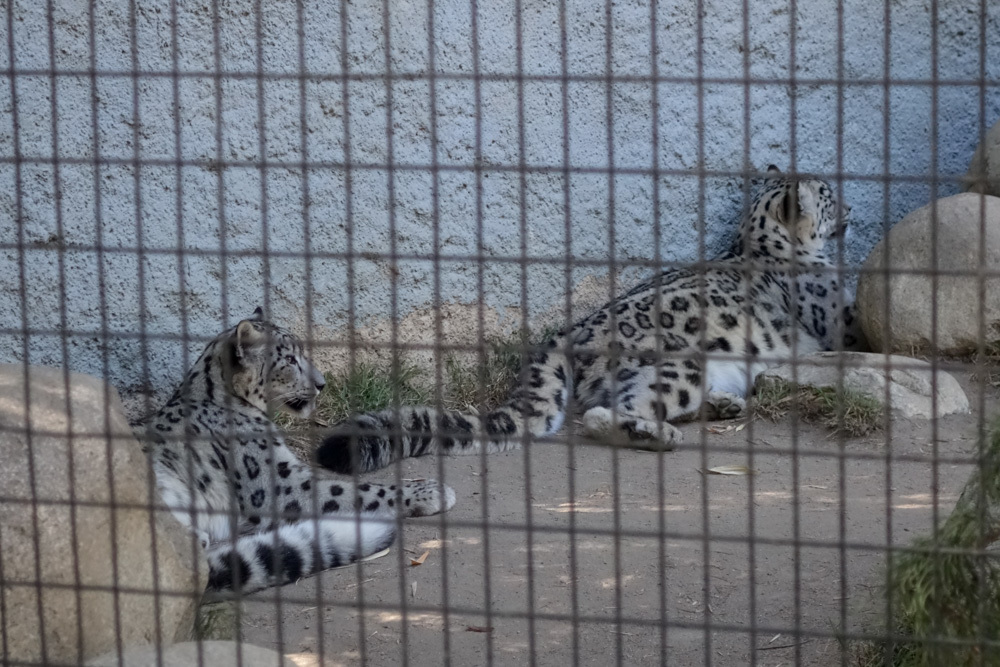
413	589
719	429
735	428
730	470
478	628
419	560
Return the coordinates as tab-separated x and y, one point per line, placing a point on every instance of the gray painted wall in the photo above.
259	215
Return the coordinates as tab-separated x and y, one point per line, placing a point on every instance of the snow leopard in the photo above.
689	342
263	516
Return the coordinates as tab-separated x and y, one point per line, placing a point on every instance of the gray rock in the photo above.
901	321
912	383
983	176
210	654
97	482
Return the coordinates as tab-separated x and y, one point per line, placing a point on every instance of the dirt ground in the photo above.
775	564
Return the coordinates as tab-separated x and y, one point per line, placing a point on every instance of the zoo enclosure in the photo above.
419	179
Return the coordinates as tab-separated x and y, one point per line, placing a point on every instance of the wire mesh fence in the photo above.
482	333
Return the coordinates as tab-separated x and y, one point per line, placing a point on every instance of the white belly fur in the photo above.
729	373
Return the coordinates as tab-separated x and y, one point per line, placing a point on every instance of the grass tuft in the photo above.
945	592
483	385
849	411
370	387
987	365
216	621
772	400
487	385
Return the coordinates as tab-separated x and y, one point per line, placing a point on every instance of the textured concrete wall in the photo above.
221	199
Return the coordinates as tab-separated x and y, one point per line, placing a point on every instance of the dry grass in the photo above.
482	384
849	412
987	365
485	383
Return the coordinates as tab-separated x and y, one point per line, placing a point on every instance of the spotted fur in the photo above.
222	467
684	343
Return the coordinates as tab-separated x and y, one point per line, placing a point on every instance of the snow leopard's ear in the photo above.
772	176
250	338
788	212
258	315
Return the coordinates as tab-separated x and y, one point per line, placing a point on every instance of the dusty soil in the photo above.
569	552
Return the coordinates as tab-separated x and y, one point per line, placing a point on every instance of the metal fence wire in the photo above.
507	289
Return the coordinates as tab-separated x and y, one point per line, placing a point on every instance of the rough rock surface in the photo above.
903	323
62	561
210	654
912	383
984	167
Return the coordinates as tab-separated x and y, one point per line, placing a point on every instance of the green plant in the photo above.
369	387
945	591
216	621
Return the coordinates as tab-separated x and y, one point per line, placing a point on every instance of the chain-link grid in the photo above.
425	194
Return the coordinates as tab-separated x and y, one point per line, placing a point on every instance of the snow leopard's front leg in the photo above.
408	499
303	488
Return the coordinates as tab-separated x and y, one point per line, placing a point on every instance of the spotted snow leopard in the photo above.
222	467
687	341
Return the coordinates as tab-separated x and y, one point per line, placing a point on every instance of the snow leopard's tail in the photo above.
293	551
536	407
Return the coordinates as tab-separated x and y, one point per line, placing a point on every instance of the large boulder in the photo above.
901	320
915	388
188	654
78	540
983	176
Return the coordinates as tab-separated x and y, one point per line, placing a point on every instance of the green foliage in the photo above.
216	621
945	593
370	387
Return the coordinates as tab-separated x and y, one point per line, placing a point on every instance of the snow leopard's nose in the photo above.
318	379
